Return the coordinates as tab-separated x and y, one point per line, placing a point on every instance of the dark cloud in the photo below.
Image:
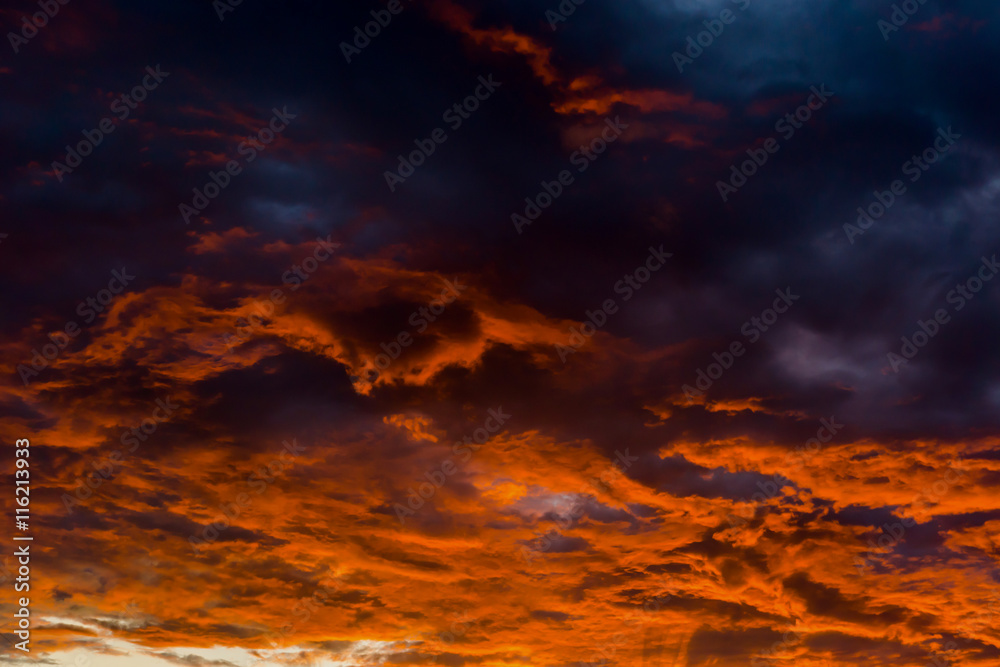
734	506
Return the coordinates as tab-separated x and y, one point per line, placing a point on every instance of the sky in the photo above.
446	332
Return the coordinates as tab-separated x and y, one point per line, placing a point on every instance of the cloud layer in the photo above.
551	399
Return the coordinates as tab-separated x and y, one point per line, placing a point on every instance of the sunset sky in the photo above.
520	333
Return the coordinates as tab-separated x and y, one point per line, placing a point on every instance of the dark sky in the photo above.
751	243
